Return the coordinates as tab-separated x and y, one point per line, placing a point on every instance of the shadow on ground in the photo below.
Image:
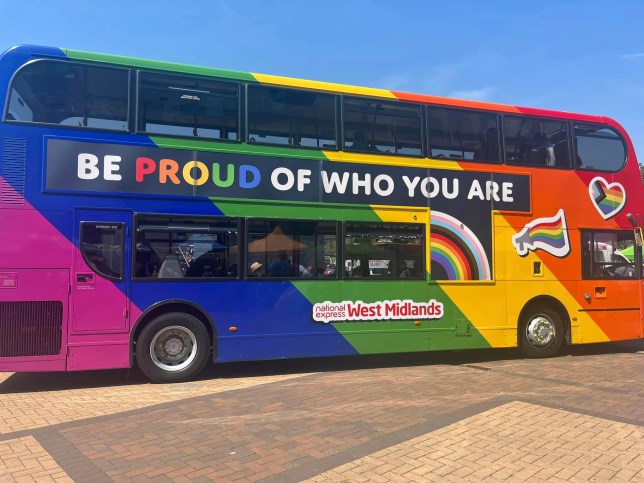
60	381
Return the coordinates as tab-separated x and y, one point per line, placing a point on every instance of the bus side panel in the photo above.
34	308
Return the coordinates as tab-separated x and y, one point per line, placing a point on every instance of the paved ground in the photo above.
459	416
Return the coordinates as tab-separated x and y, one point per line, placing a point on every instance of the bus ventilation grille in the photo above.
30	328
14	163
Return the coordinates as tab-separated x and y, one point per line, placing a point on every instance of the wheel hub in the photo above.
173	346
540	331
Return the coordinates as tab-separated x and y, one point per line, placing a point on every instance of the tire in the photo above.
541	333
174	347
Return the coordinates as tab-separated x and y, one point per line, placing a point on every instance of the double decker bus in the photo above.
167	215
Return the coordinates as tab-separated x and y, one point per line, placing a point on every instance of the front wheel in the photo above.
173	347
541	333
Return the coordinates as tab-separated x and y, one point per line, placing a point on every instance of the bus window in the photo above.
373	125
455	134
186	106
291	117
185	248
536	142
384	250
102	248
55	92
291	249
602	256
599	148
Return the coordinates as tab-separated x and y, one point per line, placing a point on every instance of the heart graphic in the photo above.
608	198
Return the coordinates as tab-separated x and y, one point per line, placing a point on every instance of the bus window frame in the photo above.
569	139
128	122
576	159
200	218
637	262
245	257
423	261
91	264
346	149
499	128
137	90
336	116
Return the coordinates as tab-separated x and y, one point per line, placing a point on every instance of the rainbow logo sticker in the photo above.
457	249
608	198
547	234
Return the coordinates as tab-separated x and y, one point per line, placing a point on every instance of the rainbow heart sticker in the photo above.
608	198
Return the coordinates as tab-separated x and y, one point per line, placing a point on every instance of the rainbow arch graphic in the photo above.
457	249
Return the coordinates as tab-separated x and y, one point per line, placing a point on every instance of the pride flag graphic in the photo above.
608	198
457	250
547	234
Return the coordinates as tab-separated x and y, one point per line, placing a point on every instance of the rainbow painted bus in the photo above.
167	215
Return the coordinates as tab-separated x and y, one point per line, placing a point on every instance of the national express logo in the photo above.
348	311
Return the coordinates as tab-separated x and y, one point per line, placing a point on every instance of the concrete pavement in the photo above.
450	416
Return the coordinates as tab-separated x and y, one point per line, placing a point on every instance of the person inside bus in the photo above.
361	143
542	152
280	267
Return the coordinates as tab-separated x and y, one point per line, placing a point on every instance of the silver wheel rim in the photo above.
173	348
540	331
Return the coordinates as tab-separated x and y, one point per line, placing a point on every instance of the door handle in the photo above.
84	277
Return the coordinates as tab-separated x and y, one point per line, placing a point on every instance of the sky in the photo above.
569	55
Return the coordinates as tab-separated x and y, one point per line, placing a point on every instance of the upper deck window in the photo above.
376	126
536	142
468	135
599	148
291	117
186	106
55	92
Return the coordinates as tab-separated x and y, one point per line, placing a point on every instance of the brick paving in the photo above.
461	416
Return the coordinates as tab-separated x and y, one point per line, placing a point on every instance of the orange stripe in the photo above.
447	101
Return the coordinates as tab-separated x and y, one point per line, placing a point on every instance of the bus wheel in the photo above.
173	347
541	333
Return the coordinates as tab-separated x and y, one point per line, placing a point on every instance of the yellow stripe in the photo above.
348	157
323	86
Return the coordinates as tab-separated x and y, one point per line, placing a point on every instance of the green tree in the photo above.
642	173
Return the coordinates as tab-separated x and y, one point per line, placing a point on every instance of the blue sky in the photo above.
581	56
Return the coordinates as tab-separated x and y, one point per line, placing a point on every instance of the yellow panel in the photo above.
484	306
401	214
323	86
524	286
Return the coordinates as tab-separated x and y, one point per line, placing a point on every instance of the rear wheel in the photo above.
541	333
173	347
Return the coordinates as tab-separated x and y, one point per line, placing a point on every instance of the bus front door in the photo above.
101	266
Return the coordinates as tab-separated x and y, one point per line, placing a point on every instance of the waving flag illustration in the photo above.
547	234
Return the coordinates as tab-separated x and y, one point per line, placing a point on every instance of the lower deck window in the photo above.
291	249
604	254
102	248
383	250
178	248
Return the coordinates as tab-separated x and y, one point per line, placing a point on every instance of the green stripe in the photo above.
158	65
303	211
236	148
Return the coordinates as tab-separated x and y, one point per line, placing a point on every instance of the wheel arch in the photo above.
549	302
175	305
